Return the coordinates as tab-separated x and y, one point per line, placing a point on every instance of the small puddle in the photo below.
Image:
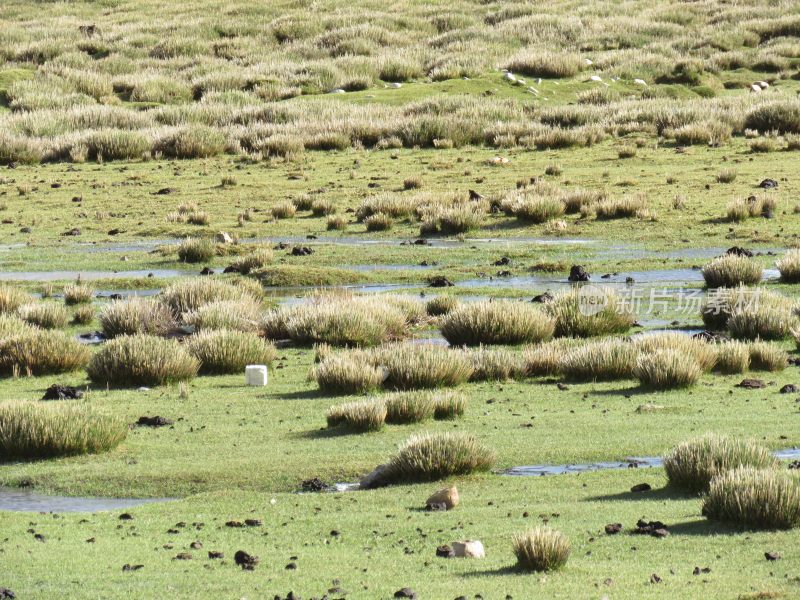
21	500
632	462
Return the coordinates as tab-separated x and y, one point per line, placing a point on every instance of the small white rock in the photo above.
762	84
509	77
256	375
396	85
588	62
469	549
223	237
338	91
595	78
755	88
539	81
640	82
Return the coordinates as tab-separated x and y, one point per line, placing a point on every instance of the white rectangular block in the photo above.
255	375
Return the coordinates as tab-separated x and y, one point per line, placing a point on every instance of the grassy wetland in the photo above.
463	238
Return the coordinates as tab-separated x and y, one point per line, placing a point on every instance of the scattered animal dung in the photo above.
772	556
751	384
156	421
641	487
613	528
246	561
62	392
651	528
255	375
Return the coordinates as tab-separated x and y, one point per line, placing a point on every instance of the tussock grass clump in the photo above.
732	357
767	357
322	207
731	271
533	207
32	430
781	116
421	366
283	210
544	359
448	405
602	360
441	305
193	141
130	360
723	302
434	456
667	368
590	311
46	315
501	322
541	549
190	294
396	206
78	293
83	315
234	315
252	260
789	266
42	352
620	208
196	250
225	352
548	65
345	374
703	353
336	223
11	299
578	199
726	176
760	322
403	408
495	364
754	497
378	222
135	315
693	464
364	415
345	321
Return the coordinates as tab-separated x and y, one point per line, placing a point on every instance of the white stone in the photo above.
255	375
755	88
588	61
223	238
395	85
509	77
639	82
337	91
469	549
762	84
595	78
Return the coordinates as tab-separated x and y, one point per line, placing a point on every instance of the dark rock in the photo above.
613	528
421	242
772	556
503	262
543	298
247	561
253	522
405	593
114	231
196	545
655	578
475	196
630	280
699	570
505	273
790	388
563	387
145	421
6	594
653	528
215	554
230	269
292	566
578	273
752	384
77	199
234	524
440	281
768	184
795	464
23	230
126	568
436	506
302	251
62	392
641	487
72	232
445	551
710	336
314	485
207	271
165	191
739	251
126	517
183	556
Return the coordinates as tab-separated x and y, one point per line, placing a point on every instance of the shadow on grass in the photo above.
500	571
303	395
658	495
325	433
